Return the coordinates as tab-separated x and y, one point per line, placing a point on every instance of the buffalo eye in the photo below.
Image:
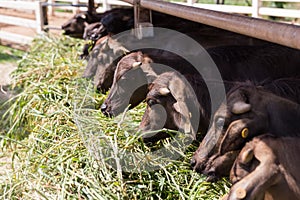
151	102
219	123
123	77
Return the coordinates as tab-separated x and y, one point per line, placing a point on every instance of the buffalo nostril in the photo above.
94	37
193	162
211	176
103	107
211	173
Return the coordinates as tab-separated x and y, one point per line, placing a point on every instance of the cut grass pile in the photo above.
60	147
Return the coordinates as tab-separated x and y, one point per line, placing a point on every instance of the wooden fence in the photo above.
37	23
256	10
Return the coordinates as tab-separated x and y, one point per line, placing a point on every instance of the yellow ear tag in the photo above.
245	132
240	193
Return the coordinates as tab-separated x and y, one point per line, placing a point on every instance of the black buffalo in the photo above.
235	63
266	168
247	112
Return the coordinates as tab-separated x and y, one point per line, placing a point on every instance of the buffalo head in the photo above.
171	104
240	118
248	112
94	31
118	21
130	83
102	62
74	27
111	53
94	58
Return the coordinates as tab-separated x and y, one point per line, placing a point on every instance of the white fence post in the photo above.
39	17
105	5
51	8
190	2
255	8
75	9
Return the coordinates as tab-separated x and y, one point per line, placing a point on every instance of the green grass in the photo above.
10	55
60	147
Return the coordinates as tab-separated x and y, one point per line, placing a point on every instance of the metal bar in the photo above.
284	34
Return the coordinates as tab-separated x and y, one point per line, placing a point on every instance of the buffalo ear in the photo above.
106	46
176	107
164	91
136	65
121	51
240	107
146	59
247	156
139	56
185	101
85	24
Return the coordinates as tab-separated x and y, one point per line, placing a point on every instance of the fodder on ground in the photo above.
61	147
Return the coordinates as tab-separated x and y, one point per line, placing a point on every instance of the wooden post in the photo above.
51	8
106	6
39	16
190	2
75	9
255	8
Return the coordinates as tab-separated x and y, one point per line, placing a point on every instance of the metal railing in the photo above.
280	33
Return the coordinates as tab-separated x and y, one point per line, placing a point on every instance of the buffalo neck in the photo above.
284	117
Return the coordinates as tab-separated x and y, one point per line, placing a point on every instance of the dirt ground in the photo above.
5	78
5	70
